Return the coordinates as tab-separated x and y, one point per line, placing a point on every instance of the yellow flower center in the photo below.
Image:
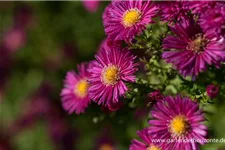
179	125
81	88
153	147
110	75
131	17
197	44
106	147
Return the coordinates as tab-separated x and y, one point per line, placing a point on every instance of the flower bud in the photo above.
212	90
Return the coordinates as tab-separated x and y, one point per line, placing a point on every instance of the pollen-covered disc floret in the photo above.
178	126
75	92
153	147
191	50
197	44
177	118
148	143
81	88
131	17
110	75
109	72
124	19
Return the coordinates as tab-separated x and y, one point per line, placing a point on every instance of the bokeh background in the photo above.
39	43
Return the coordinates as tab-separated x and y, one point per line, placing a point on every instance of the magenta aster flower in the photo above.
178	118
213	19
108	74
148	144
125	19
191	50
75	92
173	10
14	39
212	90
198	7
91	5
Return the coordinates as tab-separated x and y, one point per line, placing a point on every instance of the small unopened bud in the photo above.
212	90
155	96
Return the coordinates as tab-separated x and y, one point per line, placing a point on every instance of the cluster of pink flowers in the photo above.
191	49
197	42
102	80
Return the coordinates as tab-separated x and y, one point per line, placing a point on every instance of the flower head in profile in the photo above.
213	19
178	118
75	92
191	50
124	19
109	72
148	143
173	10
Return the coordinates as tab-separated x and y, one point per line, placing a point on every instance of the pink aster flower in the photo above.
201	6
173	10
148	143
213	19
91	5
108	74
191	49
178	118
14	39
125	19
75	92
